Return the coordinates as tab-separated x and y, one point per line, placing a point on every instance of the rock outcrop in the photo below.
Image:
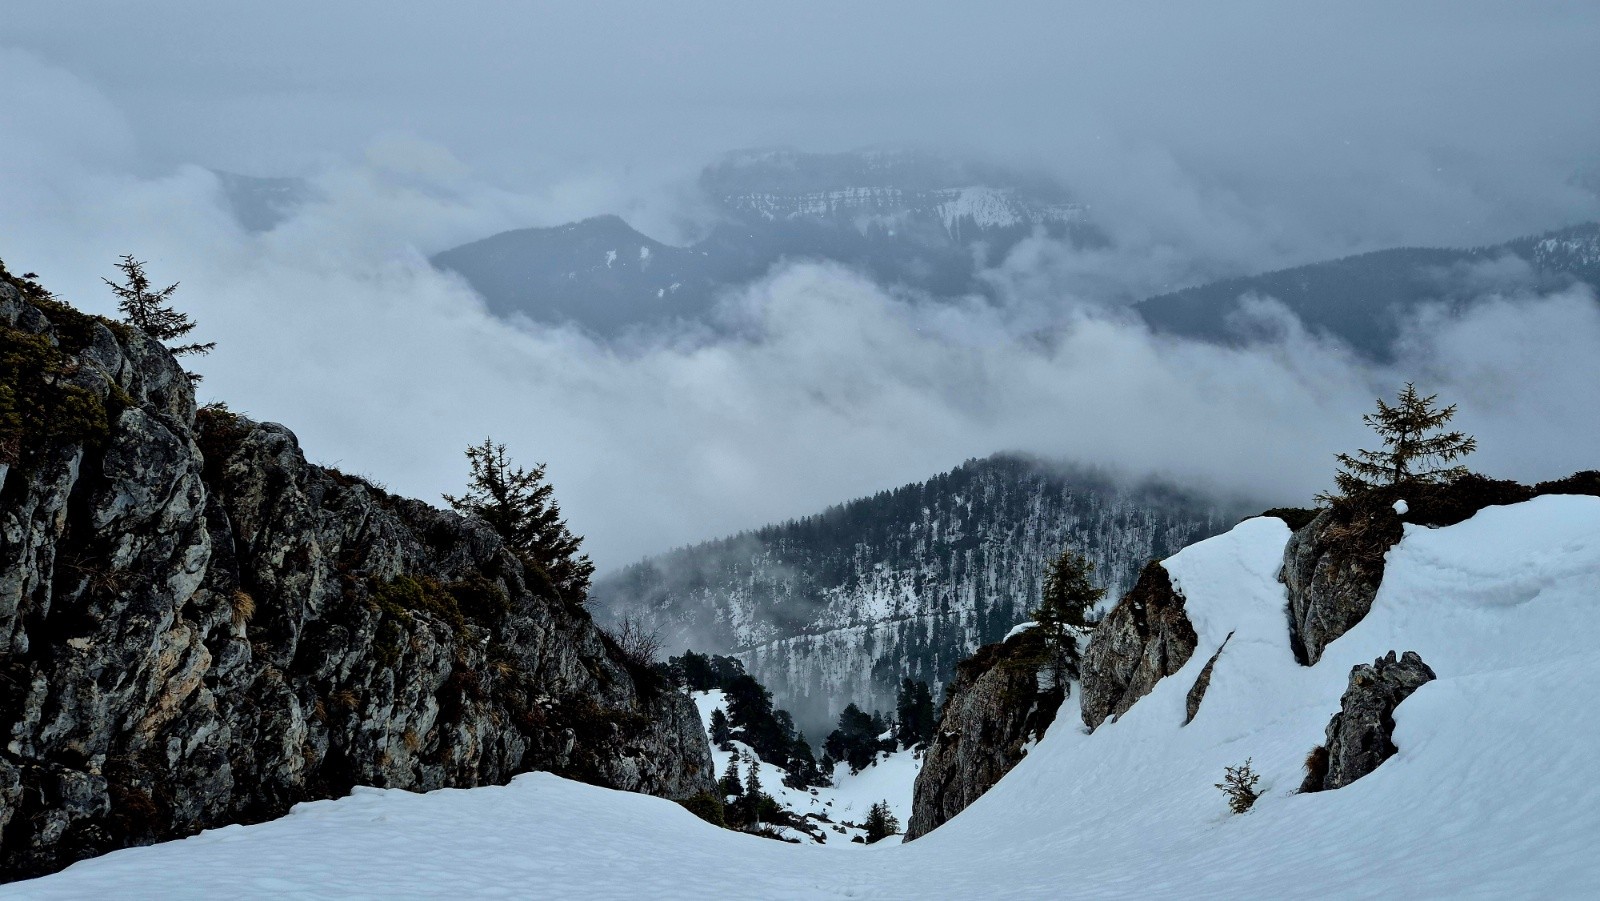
1332	568
1333	565
197	627
1001	700
1145	637
1197	691
1361	735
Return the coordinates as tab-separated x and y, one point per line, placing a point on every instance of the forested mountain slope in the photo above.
842	605
1364	300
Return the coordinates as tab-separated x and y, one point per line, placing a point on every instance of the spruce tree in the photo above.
922	706
881	822
914	709
751	802
752	776
1415	447
803	762
150	312
518	504
730	783
1069	593
721	734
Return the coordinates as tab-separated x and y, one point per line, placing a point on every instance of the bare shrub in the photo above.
639	644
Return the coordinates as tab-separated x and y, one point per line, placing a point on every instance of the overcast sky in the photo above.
1233	136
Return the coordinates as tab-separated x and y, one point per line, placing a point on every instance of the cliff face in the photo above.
1332	568
1002	699
197	627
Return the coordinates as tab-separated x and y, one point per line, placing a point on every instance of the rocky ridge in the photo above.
198	627
1331	571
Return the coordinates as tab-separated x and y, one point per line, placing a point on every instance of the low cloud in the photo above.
335	324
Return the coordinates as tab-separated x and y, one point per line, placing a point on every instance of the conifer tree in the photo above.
518	504
752	777
730	783
1069	593
721	734
751	802
150	311
803	761
914	708
880	823
1239	784
1415	447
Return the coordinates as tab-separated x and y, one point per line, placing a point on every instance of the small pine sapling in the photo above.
1239	784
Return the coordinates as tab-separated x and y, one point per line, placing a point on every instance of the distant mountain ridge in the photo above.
904	217
260	204
842	605
1364	300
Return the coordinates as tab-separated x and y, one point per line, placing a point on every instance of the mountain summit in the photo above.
908	218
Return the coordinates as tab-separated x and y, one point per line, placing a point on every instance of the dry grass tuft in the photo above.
244	608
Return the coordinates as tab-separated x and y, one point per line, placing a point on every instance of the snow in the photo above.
1018	629
1401	507
611	257
1492	793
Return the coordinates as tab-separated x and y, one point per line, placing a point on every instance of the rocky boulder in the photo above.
1332	568
1361	735
1145	637
1001	700
198	627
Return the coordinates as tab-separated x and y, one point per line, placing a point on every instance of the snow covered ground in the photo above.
1493	793
889	778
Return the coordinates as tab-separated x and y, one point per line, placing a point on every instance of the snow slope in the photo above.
889	778
1492	794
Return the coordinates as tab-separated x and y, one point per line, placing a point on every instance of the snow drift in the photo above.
1492	792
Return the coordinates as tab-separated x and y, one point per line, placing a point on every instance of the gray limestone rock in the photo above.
1332	568
1002	698
1144	638
1197	691
198	627
1361	735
